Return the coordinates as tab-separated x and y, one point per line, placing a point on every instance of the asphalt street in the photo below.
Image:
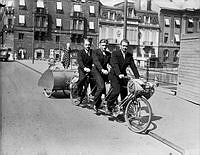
33	124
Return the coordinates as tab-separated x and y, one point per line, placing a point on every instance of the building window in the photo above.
92	11
57	39
104	15
39	35
176	38
40	4
190	26
130	12
177	23
166	36
176	55
22	4
59	8
199	24
21	36
58	23
165	55
21	19
77	24
77	38
91	26
112	15
167	23
190	23
77	8
10	23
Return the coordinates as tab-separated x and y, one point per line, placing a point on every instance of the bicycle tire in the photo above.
134	114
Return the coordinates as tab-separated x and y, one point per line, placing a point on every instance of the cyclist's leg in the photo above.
100	84
123	91
115	84
80	84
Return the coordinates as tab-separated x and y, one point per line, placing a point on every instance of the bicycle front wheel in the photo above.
138	114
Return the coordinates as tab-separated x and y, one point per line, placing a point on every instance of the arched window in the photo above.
176	55
165	55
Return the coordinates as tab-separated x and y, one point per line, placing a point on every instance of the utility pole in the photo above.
125	19
33	51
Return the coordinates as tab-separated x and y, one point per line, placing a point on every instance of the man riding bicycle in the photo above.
101	58
85	63
120	60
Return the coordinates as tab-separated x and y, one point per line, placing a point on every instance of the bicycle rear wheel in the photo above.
138	114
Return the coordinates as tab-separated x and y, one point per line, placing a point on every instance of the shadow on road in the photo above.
60	95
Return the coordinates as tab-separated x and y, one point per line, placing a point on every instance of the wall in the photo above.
189	68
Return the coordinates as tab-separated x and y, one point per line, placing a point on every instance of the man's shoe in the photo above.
77	101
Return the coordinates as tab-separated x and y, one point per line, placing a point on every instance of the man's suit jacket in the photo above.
119	64
100	60
84	60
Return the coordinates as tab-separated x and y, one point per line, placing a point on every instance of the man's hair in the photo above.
103	41
124	40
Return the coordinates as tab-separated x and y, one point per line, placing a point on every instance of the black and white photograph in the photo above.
99	77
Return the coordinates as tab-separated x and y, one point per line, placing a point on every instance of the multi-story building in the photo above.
148	37
142	29
174	20
111	25
43	27
6	26
190	21
1	23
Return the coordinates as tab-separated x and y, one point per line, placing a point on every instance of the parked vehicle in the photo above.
4	54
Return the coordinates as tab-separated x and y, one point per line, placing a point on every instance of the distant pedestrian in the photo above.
65	59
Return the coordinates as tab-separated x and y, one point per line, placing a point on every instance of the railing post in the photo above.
148	64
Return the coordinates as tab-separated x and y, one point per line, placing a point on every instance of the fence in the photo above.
166	74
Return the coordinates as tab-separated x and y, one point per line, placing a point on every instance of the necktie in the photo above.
123	54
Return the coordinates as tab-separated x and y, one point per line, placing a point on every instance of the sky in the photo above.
110	2
190	2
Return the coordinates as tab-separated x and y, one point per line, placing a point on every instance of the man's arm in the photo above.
80	60
114	63
96	60
134	68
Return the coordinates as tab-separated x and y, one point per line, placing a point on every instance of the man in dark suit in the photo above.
120	60
101	58
85	62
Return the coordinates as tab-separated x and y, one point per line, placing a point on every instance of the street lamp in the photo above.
33	51
125	19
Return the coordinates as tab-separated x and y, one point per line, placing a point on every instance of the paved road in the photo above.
33	124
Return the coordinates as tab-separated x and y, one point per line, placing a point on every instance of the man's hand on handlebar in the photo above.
86	69
104	71
121	76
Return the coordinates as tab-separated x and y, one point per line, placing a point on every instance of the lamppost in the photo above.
33	50
125	20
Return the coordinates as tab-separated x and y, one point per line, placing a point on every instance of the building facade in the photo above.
148	43
111	26
142	30
174	20
44	27
7	26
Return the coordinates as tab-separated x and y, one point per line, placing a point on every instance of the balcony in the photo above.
40	11
190	30
8	28
76	15
75	31
9	11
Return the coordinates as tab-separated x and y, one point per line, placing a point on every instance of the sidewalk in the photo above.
176	122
